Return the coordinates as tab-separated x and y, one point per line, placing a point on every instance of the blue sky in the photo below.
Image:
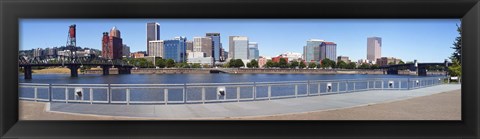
427	40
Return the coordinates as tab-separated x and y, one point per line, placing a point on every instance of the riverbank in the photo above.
55	70
226	70
438	106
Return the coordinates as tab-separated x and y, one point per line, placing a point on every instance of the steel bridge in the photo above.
73	64
419	68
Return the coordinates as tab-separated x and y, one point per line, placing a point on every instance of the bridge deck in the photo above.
250	108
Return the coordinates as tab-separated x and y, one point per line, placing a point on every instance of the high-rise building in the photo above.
114	32
156	48
175	49
203	44
153	32
222	54
238	48
39	52
344	59
311	51
253	50
328	50
126	51
216	45
374	48
112	45
189	46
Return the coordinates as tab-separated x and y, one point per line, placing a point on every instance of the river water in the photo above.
191	78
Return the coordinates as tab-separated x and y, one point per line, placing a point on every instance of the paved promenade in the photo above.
250	108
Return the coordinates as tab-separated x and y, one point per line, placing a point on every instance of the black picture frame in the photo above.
12	11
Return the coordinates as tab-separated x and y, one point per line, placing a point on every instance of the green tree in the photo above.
455	69
374	66
170	63
253	64
239	63
160	62
312	65
327	63
351	65
294	64
401	62
283	63
457	46
342	64
364	66
231	63
302	65
269	64
249	65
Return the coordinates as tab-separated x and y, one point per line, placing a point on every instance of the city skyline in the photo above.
352	43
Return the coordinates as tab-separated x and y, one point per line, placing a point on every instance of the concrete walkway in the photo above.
250	108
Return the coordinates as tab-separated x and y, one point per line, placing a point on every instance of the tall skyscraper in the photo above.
153	32
175	49
253	50
203	44
328	50
156	48
374	48
112	45
238	48
216	44
126	51
189	46
311	51
114	32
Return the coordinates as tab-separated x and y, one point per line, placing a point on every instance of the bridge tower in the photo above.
72	41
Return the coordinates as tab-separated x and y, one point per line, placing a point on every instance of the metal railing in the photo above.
209	92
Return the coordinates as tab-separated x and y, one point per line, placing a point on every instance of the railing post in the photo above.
254	90
338	87
185	93
35	93
49	92
308	87
408	83
368	85
91	96
165	96
296	90
109	97
374	86
128	96
318	90
203	95
382	84
346	86
66	94
354	86
269	92
399	84
238	94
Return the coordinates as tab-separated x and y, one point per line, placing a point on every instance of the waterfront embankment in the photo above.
229	70
258	71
